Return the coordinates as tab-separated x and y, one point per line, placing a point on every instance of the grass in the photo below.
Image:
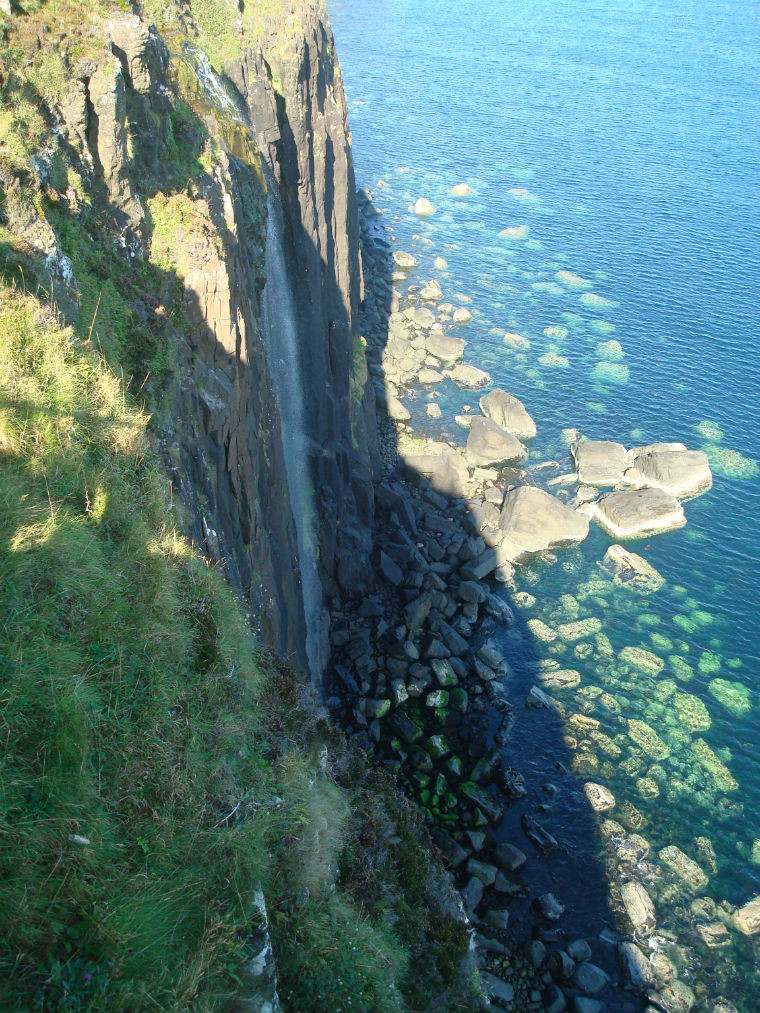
157	769
137	715
129	706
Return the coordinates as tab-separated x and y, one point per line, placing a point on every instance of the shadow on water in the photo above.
485	768
507	742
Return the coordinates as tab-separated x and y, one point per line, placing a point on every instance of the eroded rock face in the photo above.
223	440
534	520
315	173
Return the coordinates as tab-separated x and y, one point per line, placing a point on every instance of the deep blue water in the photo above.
633	127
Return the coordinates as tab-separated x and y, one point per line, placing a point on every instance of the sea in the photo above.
609	245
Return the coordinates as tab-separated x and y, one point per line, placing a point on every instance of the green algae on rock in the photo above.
734	696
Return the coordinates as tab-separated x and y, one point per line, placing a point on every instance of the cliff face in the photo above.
275	130
308	148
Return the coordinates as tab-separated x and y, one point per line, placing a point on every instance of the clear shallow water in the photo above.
634	130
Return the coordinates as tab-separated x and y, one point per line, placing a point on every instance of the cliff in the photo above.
185	397
165	150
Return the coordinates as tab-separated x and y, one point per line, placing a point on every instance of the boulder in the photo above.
428	375
497	989
445	471
637	513
462	315
469	377
590	979
672	468
404	260
509	413
684	867
598	797
423	207
631	571
420	316
509	857
747	918
636	966
639	908
534	520
396	410
447	350
599	462
489	444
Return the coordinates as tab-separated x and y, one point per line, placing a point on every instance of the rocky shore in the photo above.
420	682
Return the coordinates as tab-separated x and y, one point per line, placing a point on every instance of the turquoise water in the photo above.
622	141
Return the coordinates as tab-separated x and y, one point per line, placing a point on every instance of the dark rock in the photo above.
536	834
561	965
553	999
486	873
472	894
497	989
390	570
498	918
509	857
590	979
453	853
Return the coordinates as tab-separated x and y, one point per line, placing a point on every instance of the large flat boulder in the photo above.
445	349
489	444
534	520
599	462
509	413
671	467
636	513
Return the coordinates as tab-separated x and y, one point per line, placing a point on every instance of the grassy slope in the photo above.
135	712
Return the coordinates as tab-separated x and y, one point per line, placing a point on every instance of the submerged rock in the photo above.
747	918
684	867
639	908
631	571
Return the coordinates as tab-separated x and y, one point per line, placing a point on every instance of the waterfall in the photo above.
216	92
282	345
282	341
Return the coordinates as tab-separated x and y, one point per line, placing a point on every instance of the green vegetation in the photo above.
157	769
